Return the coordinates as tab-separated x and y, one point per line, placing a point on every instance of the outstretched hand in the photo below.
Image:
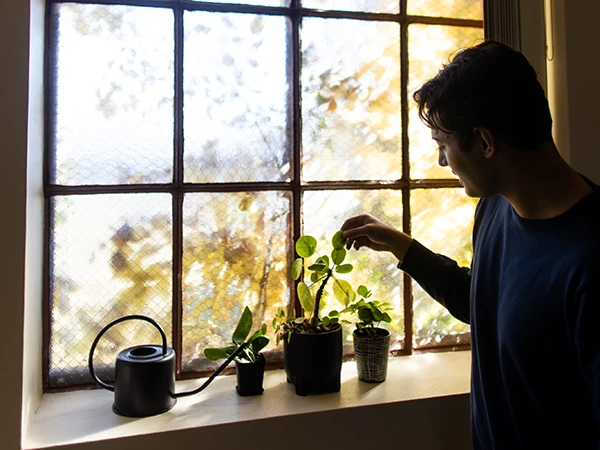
367	231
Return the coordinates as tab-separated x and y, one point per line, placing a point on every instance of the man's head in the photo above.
488	86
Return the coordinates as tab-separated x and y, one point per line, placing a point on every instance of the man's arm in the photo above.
440	277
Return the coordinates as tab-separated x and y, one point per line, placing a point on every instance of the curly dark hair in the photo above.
489	85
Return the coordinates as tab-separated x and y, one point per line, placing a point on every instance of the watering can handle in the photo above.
105	329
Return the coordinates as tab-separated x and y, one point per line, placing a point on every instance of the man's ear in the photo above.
485	142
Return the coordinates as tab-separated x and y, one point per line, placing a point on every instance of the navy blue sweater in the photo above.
532	298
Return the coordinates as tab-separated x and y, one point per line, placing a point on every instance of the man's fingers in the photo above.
362	241
352	222
353	233
356	221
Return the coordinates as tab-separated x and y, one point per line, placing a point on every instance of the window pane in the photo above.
236	98
284	3
324	214
350	100
442	220
463	9
376	6
114	117
236	250
430	46
110	257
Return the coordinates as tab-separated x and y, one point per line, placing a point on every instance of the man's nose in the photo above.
442	159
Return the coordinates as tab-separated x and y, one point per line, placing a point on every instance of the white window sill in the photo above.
77	419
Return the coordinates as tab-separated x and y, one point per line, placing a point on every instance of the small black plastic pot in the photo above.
372	354
313	362
250	376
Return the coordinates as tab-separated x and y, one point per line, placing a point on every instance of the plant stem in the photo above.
320	294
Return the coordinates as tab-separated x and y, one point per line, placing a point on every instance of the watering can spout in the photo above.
215	374
145	375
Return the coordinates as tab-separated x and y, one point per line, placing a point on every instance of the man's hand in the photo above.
367	231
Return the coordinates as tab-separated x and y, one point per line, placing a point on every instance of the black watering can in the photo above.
145	375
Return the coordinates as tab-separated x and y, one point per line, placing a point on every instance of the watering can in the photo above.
145	375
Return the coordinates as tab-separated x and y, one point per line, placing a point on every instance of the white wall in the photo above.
573	76
14	54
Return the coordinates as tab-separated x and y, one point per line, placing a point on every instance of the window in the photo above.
189	143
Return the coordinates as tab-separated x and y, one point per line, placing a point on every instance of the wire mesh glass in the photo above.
373	6
324	214
113	122
442	220
235	254
111	256
464	9
284	3
430	46
236	107
350	100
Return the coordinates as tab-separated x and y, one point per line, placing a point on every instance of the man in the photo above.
532	294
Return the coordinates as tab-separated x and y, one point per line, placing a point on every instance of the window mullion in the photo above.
406	217
177	326
296	213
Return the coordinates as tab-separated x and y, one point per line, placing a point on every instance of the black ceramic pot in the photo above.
372	354
313	362
250	376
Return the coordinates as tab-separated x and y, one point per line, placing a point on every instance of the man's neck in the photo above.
540	184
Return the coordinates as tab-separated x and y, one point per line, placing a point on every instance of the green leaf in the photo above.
305	297
377	315
258	333
314	277
343	292
387	318
219	353
344	268
243	327
259	343
363	291
297	268
317	267
365	315
338	241
338	256
246	354
323	259
325	321
306	246
215	353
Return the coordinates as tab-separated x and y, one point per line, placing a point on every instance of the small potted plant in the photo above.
250	363
312	345
371	342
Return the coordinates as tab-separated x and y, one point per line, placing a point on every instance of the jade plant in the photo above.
252	346
369	313
319	272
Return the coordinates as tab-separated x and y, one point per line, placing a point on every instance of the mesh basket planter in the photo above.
372	354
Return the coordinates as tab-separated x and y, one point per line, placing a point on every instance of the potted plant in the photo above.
250	363
371	342
312	345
